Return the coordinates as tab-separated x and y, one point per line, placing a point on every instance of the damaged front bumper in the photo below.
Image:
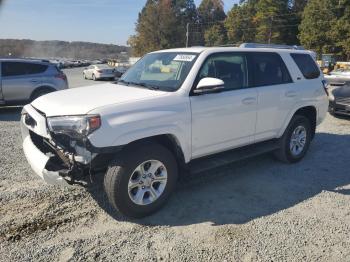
47	161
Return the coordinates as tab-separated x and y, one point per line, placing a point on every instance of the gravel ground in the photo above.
266	211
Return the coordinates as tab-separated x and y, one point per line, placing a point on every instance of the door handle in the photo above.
249	100
34	81
291	94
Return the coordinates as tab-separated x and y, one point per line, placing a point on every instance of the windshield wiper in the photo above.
122	81
139	84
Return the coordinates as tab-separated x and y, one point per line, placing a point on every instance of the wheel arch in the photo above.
41	89
309	111
169	141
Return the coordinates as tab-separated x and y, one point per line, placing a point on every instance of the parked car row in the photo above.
66	63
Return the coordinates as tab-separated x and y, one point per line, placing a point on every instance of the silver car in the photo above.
96	72
24	80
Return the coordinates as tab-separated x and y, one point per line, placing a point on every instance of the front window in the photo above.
165	71
229	67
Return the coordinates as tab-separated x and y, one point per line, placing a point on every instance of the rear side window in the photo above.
269	69
21	68
307	65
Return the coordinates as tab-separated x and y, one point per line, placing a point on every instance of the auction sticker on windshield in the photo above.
184	58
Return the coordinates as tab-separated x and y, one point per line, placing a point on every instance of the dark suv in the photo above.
24	80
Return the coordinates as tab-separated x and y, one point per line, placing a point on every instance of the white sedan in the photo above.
339	74
102	71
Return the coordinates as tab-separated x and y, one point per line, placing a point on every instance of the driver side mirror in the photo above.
209	85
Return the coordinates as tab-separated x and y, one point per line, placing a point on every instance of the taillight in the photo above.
325	84
61	76
99	71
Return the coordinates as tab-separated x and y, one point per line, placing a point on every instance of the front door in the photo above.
225	120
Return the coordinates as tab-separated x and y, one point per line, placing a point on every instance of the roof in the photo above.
242	48
9	59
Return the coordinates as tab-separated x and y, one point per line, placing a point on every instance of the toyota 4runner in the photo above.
174	111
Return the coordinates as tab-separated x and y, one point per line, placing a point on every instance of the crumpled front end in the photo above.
53	163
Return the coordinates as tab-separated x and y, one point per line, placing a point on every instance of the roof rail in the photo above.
256	45
229	45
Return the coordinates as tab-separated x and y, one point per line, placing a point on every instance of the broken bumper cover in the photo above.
38	160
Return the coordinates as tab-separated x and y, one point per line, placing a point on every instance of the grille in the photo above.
343	100
39	142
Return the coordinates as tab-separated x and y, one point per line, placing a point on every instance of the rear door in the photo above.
276	93
224	120
19	79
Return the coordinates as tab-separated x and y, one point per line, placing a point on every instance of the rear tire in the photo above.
295	141
129	185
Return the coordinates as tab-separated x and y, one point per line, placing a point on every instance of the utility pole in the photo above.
270	33
187	33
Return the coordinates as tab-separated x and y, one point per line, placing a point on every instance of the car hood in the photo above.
82	100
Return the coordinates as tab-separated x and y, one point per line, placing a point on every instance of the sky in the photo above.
100	21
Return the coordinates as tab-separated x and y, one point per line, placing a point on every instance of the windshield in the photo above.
165	71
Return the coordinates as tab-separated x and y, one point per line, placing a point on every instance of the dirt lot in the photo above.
258	209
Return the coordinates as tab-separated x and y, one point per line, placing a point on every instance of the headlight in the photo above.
331	95
74	126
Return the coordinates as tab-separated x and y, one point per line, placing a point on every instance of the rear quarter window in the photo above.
307	65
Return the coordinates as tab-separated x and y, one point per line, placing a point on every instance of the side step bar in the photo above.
209	162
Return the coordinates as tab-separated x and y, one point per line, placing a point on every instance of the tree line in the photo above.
47	49
320	25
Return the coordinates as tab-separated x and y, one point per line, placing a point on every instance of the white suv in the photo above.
176	111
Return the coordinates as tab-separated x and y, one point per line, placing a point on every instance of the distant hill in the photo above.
47	49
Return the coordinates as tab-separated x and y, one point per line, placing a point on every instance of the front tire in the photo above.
295	141
94	77
141	180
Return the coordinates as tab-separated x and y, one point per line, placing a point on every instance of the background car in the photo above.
339	97
24	80
339	73
101	71
120	70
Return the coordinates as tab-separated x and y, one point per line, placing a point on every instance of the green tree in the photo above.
317	24
211	15
272	22
240	23
341	32
162	24
211	11
215	35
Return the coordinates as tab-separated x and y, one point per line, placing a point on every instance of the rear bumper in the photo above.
38	160
105	75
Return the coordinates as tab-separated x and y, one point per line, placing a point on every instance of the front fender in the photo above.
119	129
